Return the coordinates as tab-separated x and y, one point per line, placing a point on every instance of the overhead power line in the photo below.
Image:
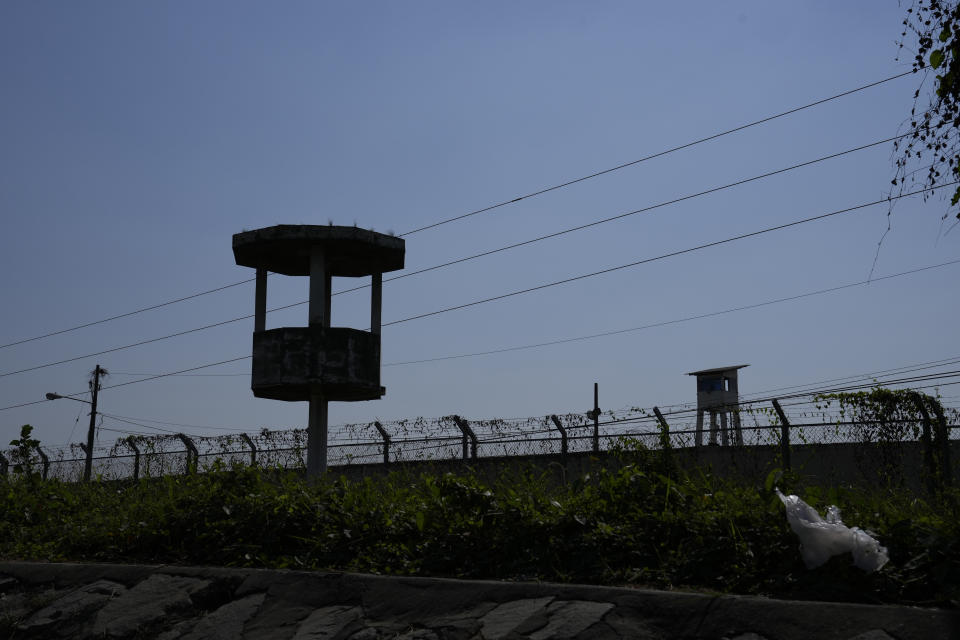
189	375
138	424
125	315
654	155
124	384
866	385
692	410
666	255
140	343
932	364
464	259
512	293
627	214
904	369
173	373
869	375
665	323
489	208
180	424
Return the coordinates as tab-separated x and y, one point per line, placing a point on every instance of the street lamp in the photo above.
57	396
95	385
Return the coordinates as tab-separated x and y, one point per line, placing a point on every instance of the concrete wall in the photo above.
820	464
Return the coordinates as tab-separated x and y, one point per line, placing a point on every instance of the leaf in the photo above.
936	58
772	479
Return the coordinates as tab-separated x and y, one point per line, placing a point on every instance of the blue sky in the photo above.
137	138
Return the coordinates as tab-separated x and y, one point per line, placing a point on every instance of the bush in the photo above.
641	522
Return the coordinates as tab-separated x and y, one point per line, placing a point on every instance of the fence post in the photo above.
253	449
664	429
467	433
596	418
191	451
4	465
943	437
926	437
136	456
784	434
46	462
83	447
563	437
942	447
386	441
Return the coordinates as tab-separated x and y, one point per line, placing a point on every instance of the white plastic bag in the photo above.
823	538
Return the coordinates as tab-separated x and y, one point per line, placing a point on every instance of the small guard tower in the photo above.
317	363
718	395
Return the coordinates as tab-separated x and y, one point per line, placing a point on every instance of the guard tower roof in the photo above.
349	251
704	372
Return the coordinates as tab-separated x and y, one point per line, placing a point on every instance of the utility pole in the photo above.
95	387
594	414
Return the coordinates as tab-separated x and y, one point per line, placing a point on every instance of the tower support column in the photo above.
317	435
319	317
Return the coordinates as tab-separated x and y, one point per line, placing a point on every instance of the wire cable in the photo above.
666	255
620	216
871	375
465	259
502	296
173	373
494	206
187	375
145	426
567	340
654	155
125	315
140	343
124	384
674	321
189	426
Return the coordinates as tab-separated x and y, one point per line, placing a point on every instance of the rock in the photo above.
277	619
507	617
177	631
72	607
567	619
145	604
331	623
226	623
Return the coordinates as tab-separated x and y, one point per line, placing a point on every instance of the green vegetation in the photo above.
642	523
931	31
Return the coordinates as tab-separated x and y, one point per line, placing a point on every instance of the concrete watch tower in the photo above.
718	395
317	363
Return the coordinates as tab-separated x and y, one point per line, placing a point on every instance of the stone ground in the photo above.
46	600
